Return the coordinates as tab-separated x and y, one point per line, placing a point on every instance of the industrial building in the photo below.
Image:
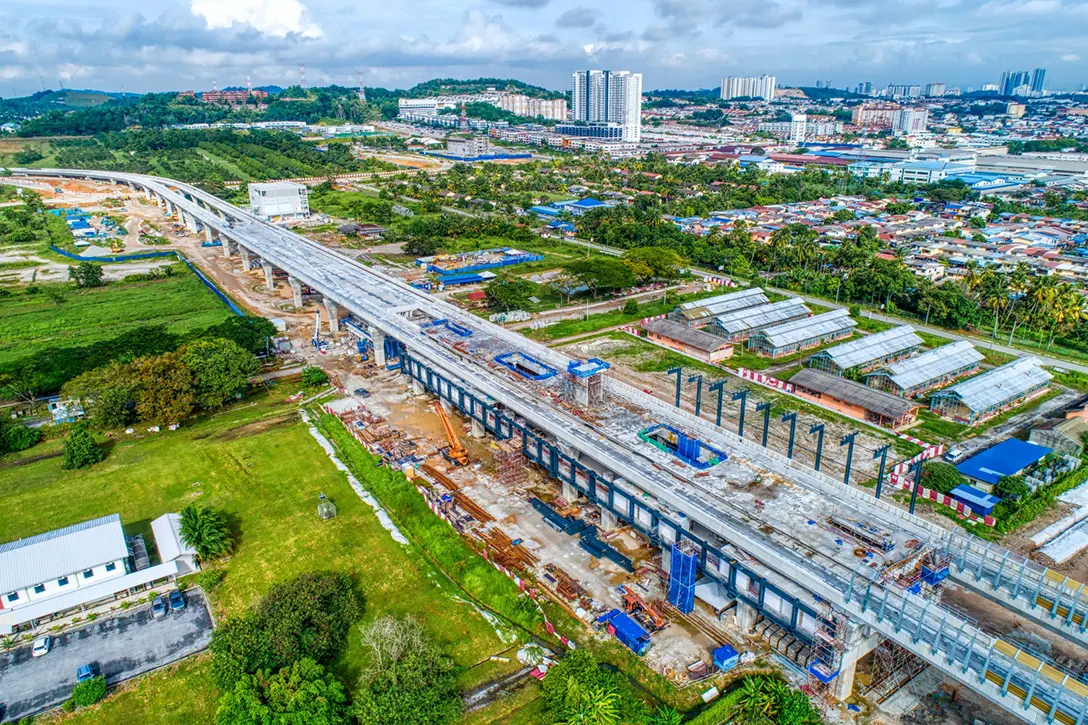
976	399
869	352
1010	457
1062	435
742	324
48	575
695	343
802	334
700	312
916	375
796	563
854	399
279	200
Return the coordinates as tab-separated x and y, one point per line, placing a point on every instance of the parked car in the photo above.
158	608
362	392
954	455
177	601
42	645
87	672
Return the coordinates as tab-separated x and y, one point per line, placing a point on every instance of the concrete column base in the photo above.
418	388
666	558
247	259
207	233
608	520
334	316
296	291
269	280
227	247
378	340
570	493
446	406
744	616
478	429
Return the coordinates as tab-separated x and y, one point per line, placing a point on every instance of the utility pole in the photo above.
698	380
791	418
742	396
679	373
917	484
881	453
765	408
720	387
818	428
848	440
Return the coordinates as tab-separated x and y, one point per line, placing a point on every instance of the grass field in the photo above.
32	323
259	464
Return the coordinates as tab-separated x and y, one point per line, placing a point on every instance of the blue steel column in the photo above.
742	396
765	408
792	418
818	428
917	483
698	380
720	387
679	373
848	440
882	453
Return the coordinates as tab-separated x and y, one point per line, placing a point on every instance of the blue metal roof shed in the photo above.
981	503
1007	458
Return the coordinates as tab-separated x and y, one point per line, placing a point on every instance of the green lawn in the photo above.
868	325
32	322
930	340
602	320
259	463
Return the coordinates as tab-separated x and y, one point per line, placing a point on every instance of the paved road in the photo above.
122	647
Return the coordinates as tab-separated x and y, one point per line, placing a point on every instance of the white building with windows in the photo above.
605	95
279	199
66	571
748	87
910	121
798	128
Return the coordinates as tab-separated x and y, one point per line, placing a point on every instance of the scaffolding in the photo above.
510	463
891	668
828	643
682	573
584	385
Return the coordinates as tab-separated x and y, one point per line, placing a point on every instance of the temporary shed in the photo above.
929	370
1010	457
167	531
696	343
854	399
802	334
985	395
742	324
699	312
868	352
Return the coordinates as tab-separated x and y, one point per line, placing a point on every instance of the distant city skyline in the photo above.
172	45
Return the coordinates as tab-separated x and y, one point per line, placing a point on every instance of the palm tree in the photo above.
1068	307
595	706
205	530
756	698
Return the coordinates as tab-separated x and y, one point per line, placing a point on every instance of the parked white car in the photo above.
42	645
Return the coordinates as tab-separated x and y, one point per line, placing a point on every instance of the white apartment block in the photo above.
279	199
748	87
798	128
875	115
910	121
522	105
602	95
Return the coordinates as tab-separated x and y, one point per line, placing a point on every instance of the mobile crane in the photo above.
455	453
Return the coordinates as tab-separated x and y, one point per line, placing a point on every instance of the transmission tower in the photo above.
302	75
362	91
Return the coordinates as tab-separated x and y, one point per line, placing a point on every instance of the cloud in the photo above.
1070	57
523	3
277	18
577	18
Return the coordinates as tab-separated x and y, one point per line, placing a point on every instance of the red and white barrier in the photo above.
644	320
769	381
721	281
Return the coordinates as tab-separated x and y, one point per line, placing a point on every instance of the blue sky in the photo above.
189	44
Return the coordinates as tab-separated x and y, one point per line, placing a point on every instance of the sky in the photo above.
169	45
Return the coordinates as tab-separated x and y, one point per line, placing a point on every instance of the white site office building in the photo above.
279	200
599	96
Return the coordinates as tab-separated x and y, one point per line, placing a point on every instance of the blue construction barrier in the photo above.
158	255
682	573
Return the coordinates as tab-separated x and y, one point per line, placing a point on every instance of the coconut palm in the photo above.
206	530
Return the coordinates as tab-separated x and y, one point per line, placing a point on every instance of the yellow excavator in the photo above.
455	453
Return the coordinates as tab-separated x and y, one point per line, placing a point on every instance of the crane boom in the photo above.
456	452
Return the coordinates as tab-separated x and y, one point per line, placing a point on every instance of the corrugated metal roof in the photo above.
933	364
1000	384
871	399
811	327
723	304
757	318
692	338
871	347
26	562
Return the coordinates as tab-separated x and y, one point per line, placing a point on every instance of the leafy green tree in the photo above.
81	449
89	692
663	262
313	376
15	437
300	694
602	274
86	274
308	616
164	388
248	332
844	215
899	207
409	680
630	307
220	369
420	247
666	716
508	292
107	394
1012	487
940	476
977	222
206	530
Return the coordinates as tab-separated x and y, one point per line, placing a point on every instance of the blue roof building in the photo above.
583	205
982	504
1008	458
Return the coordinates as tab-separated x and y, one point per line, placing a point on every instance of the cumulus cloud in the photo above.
1070	57
577	18
277	18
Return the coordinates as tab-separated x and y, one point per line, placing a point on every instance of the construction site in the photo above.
651	523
